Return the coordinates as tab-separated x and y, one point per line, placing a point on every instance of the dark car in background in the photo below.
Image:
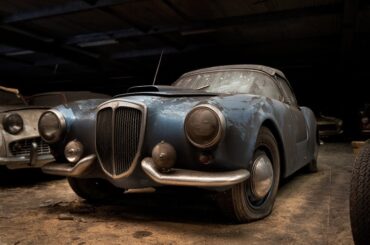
20	142
329	126
365	120
236	130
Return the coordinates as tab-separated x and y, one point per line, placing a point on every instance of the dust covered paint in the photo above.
233	130
247	96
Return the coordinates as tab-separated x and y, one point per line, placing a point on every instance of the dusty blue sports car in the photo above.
236	130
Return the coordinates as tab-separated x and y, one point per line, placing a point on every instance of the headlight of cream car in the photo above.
204	126
51	126
13	123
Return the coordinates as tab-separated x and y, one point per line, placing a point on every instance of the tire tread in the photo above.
360	197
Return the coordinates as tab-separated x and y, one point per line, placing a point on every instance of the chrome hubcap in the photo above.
262	176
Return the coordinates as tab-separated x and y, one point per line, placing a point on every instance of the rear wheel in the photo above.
359	201
94	190
254	198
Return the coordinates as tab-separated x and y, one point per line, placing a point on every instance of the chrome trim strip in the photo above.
114	104
68	169
184	177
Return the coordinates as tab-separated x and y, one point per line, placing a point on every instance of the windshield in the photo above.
8	98
47	100
231	82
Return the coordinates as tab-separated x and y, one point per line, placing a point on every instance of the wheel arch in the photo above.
268	123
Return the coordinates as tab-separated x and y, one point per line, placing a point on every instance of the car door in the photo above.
299	122
298	117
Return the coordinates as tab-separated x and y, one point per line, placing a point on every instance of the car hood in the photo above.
8	108
167	91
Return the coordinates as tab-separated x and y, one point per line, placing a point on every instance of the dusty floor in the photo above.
310	209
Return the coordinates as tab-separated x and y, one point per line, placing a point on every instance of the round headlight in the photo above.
51	126
73	151
204	126
13	123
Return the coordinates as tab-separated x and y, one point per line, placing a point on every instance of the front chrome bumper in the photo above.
33	161
178	177
184	177
69	169
25	162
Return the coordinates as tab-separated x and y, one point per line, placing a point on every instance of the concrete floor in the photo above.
310	209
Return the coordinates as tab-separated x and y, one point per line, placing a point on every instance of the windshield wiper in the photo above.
202	87
16	92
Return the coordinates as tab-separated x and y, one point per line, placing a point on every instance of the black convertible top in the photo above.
269	70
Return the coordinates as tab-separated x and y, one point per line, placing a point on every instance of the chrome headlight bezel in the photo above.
221	124
52	137
13	123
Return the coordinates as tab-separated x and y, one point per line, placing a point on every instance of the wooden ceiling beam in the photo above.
60	9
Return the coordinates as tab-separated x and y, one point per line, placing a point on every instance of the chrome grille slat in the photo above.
23	147
104	131
123	140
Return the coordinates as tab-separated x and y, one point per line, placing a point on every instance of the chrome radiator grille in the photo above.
104	133
118	131
23	147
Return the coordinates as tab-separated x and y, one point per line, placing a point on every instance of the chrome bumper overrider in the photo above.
69	169
184	177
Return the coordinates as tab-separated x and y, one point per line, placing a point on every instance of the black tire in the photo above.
237	203
360	197
311	167
94	190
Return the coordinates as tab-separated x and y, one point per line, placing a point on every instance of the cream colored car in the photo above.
20	143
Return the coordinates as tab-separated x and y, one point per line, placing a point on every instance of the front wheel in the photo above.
254	198
94	190
359	201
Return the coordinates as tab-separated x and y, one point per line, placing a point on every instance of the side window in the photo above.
288	93
266	86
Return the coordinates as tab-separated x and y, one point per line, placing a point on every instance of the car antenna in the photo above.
159	64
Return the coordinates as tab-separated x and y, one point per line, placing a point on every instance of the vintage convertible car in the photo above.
359	201
236	130
20	143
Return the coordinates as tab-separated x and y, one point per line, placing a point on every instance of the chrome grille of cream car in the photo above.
120	128
22	148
